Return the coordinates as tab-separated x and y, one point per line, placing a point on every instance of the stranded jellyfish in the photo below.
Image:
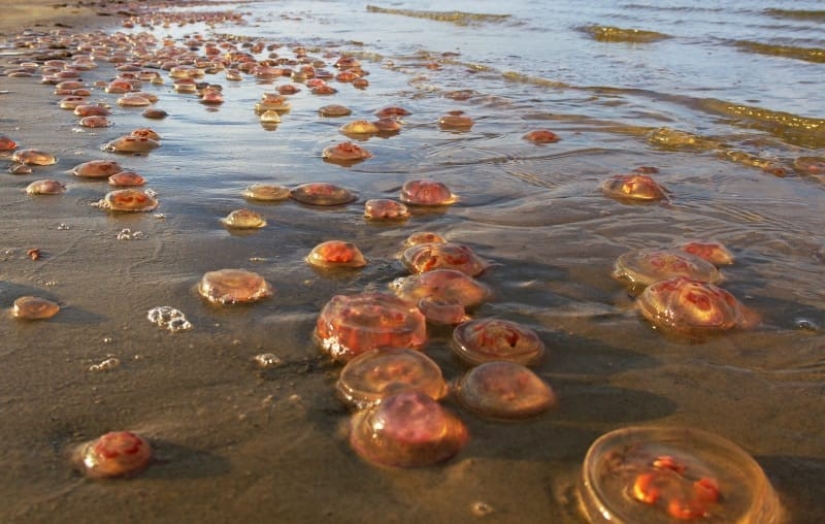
407	430
492	339
7	144
243	219
456	121
359	127
97	169
128	200
421	258
426	193
45	187
34	308
335	254
334	110
33	157
424	237
345	152
392	112
126	179
634	187
85	110
131	145
504	390
713	252
646	266
232	286
693	307
541	136
145	132
444	285
95	121
266	192
115	454
665	475
351	325
322	194
385	209
371	377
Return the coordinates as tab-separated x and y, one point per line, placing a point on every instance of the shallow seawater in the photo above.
239	442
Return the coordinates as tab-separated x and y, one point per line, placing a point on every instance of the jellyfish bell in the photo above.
444	285
34	308
126	179
116	454
45	187
33	157
233	286
243	219
322	194
129	201
541	136
132	145
97	169
714	252
336	254
385	209
634	187
492	339
504	390
645	266
266	192
428	256
345	152
427	192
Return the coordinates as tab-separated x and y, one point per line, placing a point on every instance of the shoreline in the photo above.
46	14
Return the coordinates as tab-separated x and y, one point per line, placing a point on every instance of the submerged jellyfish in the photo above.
421	258
126	179
34	308
693	307
322	194
266	192
492	339
129	200
359	127
409	429
385	209
713	252
427	193
345	152
115	454
336	254
504	390
45	187
33	157
132	145
634	187
456	121
334	110
646	266
351	325
541	136
232	286
97	169
371	377
243	219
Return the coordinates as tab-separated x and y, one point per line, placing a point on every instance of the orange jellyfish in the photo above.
504	390
492	339
45	187
34	308
233	286
334	110
634	187
425	257
266	192
359	127
132	145
33	157
129	200
456	121
385	209
115	454
541	136
126	179
243	219
345	153
7	144
95	121
97	169
424	237
427	192
646	266
322	194
714	252
336	254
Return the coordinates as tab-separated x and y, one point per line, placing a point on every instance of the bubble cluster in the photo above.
169	318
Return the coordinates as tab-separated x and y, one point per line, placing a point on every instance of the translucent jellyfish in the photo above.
693	307
492	339
45	187
34	308
504	390
456	121
133	100
713	252
115	454
424	237
232	286
322	194
646	266
85	110
7	144
375	375
385	209
131	145
33	157
634	187
421	258
387	126
541	136
71	102
443	285
427	192
95	121
270	117
351	325
392	112
336	254
334	110
359	127
145	132
443	311
409	429
266	192
97	169
243	219
126	179
129	200
666	475
345	152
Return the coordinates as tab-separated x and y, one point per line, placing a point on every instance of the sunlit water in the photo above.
238	441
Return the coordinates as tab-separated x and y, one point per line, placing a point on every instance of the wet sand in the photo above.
241	444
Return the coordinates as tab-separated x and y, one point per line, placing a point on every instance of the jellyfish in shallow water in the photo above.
33	157
646	266
634	187
713	252
359	127
693	307
322	194
45	187
34	308
243	219
132	145
504	390
345	152
427	193
266	192
423	237
115	454
334	110
350	325
7	144
129	201
409	429
492	339
445	285
126	179
421	258
371	377
392	112
233	286
336	254
541	136
95	121
385	209
455	121
97	169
